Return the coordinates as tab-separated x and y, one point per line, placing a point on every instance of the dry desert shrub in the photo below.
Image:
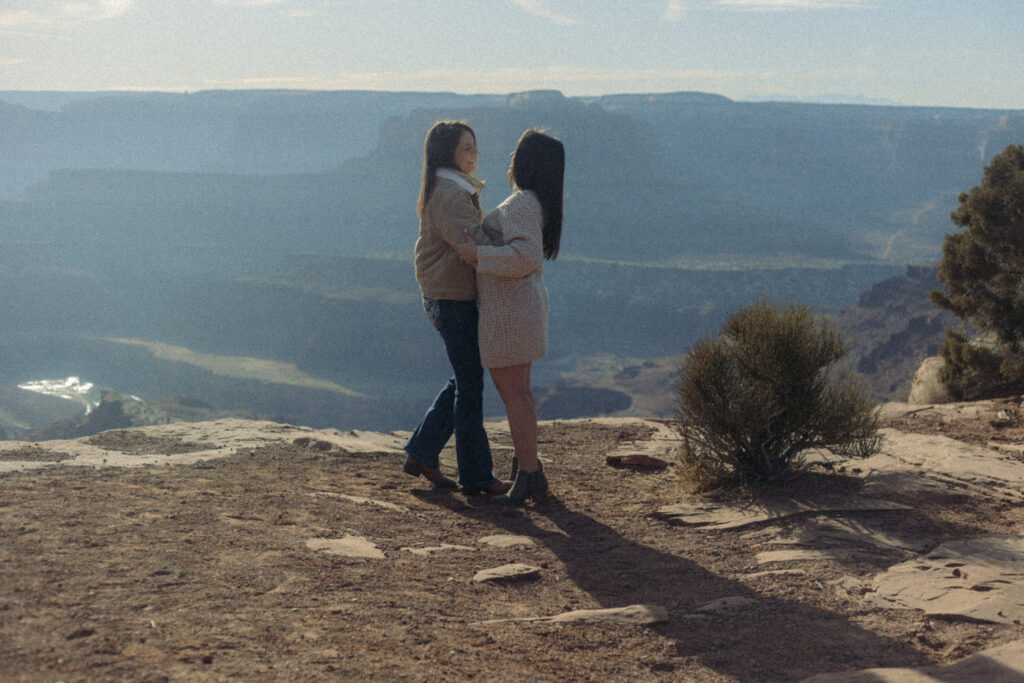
754	399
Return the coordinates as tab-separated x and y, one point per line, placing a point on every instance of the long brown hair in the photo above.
439	152
539	166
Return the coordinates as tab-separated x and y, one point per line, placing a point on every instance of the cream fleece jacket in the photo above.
513	299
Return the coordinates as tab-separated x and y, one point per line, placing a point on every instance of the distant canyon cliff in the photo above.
277	225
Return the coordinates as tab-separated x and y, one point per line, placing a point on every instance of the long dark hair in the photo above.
439	152
539	166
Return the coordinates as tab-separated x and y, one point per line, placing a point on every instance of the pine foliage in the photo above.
983	270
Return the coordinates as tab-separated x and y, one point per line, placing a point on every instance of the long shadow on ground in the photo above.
749	642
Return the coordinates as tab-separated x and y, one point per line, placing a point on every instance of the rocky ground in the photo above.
258	551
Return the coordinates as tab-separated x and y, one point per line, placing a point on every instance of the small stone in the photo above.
726	604
363	499
776	572
430	550
507	572
629	615
1003	419
80	633
636	461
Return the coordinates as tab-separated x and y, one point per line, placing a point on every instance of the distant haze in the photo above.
829	98
251	250
914	52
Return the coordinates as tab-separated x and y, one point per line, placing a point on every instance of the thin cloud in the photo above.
566	78
249	3
269	81
675	11
793	5
18	18
58	12
540	8
113	8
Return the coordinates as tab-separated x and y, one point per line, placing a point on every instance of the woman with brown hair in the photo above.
449	208
519	235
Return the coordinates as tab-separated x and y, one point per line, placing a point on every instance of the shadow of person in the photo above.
750	638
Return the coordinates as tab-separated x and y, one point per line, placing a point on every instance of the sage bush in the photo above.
763	392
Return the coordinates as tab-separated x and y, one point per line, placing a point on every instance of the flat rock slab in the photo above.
430	550
713	516
729	603
631	615
347	546
507	541
363	500
978	580
507	573
830	532
1003	664
927	461
775	572
970	410
844	531
224	437
805	555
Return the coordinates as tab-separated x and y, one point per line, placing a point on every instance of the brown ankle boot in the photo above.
432	474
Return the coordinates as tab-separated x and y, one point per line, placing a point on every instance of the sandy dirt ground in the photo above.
212	571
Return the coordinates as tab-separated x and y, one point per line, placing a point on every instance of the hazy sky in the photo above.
963	53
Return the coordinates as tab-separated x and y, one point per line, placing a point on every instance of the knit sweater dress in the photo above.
511	295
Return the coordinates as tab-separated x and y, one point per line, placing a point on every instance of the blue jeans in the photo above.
458	408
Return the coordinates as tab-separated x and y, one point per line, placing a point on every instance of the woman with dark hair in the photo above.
449	208
519	234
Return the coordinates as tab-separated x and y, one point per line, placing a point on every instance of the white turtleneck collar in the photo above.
466	182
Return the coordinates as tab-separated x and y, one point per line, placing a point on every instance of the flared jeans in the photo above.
458	408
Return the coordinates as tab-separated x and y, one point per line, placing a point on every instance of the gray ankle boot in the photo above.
526	485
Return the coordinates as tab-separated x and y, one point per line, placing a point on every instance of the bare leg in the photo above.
513	384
